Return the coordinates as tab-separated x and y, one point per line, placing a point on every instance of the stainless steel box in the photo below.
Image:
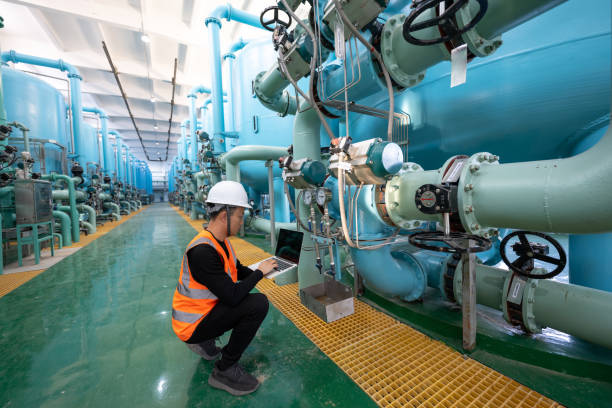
33	201
330	300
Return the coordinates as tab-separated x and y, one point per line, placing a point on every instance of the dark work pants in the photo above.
243	319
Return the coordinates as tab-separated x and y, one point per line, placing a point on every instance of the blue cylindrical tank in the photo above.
42	109
89	136
256	124
546	88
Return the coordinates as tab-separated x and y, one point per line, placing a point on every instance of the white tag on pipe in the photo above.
458	65
339	45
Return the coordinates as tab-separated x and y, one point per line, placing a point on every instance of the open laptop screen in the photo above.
289	245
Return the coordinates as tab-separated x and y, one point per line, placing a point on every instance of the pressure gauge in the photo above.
323	196
307	197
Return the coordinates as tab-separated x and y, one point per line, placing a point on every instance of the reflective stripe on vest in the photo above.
185	317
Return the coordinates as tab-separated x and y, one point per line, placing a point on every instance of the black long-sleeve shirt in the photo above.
206	267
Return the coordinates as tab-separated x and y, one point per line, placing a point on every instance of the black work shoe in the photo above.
234	380
207	349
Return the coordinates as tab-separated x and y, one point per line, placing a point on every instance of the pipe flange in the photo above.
389	58
447	280
392	198
271	102
213	20
529	319
479	46
466	190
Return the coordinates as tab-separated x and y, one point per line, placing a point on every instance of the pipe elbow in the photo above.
223	11
401	277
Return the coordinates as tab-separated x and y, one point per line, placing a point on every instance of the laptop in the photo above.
287	253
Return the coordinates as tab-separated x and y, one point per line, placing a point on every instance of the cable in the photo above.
313	63
293	207
378	57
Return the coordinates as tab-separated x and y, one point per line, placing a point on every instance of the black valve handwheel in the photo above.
446	20
270	24
527	252
456	242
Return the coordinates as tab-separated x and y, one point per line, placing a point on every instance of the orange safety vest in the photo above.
192	301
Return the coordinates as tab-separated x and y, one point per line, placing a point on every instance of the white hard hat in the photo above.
228	193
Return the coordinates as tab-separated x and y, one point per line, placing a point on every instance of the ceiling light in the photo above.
157	143
153	99
155	126
145	38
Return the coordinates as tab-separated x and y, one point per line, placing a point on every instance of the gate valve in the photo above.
446	20
527	252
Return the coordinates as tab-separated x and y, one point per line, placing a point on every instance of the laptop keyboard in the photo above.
282	265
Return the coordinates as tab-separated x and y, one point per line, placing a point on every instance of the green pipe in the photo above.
270	90
64	220
407	62
134	205
306	144
264	225
65	195
502	15
74	214
91	215
127	206
577	310
91	229
231	160
115	210
105	197
570	195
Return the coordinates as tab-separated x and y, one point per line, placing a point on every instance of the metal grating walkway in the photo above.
397	366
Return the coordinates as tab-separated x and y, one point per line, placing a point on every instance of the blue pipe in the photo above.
226	11
106	158
74	79
230	14
237	46
117	166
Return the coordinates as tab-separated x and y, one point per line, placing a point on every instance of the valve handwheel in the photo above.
270	23
446	20
529	251
455	242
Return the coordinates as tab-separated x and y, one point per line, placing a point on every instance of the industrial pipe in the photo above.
127	206
580	311
64	221
106	156
74	79
117	167
571	195
269	165
62	195
91	215
270	90
74	214
213	24
265	225
115	210
231	160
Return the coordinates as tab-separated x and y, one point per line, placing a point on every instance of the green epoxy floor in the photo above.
94	330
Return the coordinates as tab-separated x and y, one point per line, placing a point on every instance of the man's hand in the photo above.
267	266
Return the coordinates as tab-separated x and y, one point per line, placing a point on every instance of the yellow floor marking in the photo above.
396	365
12	281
